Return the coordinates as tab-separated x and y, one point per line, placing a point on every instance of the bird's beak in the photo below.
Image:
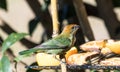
77	27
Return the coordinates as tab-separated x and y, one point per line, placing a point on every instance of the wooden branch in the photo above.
82	17
54	13
56	28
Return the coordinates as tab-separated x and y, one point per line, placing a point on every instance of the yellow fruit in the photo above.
44	59
72	51
114	47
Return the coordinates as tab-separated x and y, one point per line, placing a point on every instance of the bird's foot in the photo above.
61	61
55	56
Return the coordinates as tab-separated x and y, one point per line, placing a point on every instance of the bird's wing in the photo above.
55	43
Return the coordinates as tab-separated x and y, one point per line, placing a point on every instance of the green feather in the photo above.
57	44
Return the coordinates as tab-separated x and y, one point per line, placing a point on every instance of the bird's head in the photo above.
70	29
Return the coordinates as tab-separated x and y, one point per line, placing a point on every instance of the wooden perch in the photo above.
54	18
56	28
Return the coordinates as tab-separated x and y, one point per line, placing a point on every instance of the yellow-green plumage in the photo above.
58	44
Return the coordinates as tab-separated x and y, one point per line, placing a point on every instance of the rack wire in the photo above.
78	67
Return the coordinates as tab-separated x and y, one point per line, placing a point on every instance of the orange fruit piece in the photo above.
72	51
114	47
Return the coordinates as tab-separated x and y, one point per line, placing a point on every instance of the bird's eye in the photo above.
73	27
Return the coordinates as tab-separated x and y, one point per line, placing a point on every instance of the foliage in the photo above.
11	39
5	64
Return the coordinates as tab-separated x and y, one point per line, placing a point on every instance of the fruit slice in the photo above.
80	58
114	47
72	51
93	45
44	59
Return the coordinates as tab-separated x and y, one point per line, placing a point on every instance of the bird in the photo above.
58	44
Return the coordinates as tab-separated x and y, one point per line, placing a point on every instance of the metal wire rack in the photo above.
78	67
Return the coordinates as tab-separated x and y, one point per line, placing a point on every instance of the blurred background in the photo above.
101	17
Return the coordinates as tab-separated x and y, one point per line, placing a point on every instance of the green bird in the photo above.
57	45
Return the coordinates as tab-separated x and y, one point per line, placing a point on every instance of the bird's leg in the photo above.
60	58
55	56
63	63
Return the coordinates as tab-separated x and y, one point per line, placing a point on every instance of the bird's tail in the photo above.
30	51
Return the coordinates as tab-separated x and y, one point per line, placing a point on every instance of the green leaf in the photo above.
12	38
5	65
1	66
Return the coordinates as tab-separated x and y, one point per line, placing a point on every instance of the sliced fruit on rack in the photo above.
115	61
105	51
80	59
72	51
114	47
44	59
93	45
